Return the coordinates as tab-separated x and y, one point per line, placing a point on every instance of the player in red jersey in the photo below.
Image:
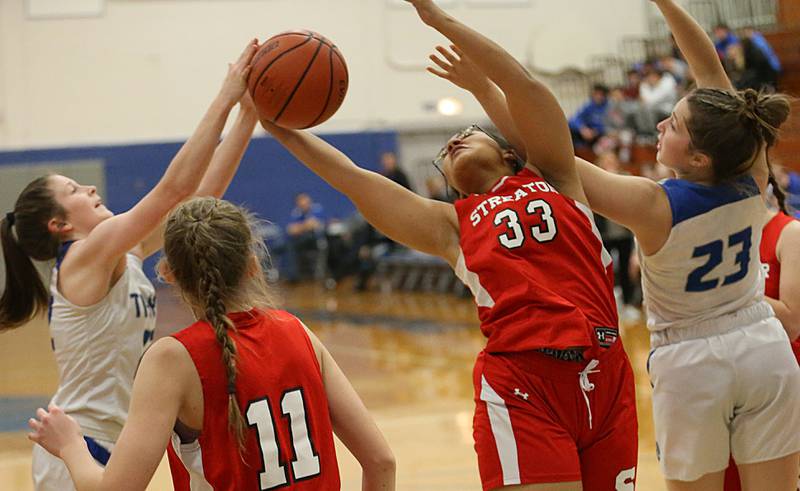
554	394
245	399
780	258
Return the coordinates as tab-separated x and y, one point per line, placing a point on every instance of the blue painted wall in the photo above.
268	179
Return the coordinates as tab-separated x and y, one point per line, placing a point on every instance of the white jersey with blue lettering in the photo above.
709	266
97	349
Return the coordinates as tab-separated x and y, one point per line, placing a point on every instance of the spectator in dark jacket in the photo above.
588	124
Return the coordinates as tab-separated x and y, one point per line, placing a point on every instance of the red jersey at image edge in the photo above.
769	261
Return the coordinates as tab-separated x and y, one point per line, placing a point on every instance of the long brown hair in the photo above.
209	247
732	127
25	295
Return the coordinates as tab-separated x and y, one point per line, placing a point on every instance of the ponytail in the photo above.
25	295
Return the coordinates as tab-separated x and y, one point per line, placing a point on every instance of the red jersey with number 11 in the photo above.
289	442
536	265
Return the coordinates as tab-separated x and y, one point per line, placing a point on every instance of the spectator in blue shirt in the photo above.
723	39
588	124
307	243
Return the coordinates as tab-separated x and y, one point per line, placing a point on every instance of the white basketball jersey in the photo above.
97	349
710	264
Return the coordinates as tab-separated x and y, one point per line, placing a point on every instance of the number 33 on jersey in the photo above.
536	265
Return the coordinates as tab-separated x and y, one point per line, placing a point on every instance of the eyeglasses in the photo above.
437	162
458	136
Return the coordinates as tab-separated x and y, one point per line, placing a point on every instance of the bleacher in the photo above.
780	24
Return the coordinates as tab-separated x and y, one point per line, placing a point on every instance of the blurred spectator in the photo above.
678	68
789	181
588	124
631	89
658	93
761	43
723	38
307	244
619	124
749	67
390	169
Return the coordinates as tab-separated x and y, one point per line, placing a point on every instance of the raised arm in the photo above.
420	223
695	45
224	164
534	109
354	426
114	237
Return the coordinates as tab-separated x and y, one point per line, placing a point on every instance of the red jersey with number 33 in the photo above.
289	442
769	260
536	266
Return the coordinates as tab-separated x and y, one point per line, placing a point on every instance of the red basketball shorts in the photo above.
543	420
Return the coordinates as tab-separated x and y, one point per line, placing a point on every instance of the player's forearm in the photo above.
186	170
788	317
86	474
321	158
379	476
228	156
695	45
494	103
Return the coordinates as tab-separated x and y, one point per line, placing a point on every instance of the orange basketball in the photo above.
298	80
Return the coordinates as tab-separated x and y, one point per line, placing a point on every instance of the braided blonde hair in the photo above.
210	247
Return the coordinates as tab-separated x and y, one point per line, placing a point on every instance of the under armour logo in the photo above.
521	394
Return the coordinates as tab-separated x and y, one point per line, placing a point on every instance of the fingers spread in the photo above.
442	64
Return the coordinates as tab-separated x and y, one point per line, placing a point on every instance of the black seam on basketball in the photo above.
261	75
330	89
297	86
344	64
334	49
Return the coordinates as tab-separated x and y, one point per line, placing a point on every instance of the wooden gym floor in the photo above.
409	356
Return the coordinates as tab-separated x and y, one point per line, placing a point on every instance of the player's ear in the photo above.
164	272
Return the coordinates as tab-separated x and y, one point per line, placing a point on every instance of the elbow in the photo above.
383	463
792	327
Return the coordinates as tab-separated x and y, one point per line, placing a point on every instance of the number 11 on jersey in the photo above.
306	461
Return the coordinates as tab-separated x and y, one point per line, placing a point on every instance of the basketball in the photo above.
298	79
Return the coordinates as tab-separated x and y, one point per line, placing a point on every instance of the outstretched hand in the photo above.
455	67
54	430
235	83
